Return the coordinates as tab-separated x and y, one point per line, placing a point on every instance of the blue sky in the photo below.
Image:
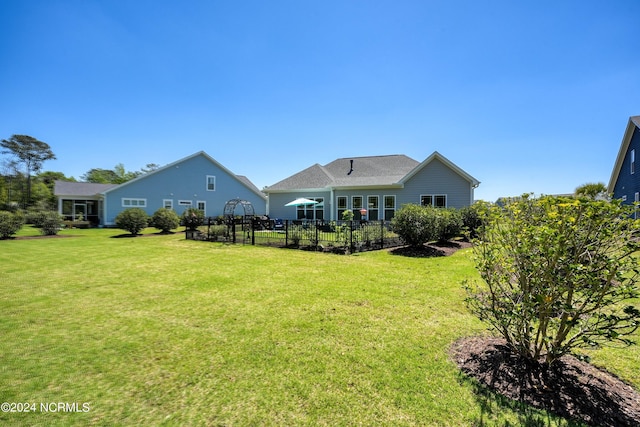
525	96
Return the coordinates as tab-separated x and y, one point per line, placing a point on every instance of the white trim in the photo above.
205	206
433	200
447	162
176	165
164	203
632	124
185	202
207	183
139	202
384	205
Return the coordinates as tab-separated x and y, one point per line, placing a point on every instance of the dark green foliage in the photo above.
417	225
35	217
118	175
471	219
49	223
559	274
165	219
192	218
449	223
414	225
10	223
31	153
132	220
592	190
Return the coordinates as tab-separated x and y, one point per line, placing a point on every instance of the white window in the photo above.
211	183
201	205
341	203
134	203
435	200
373	204
389	207
184	202
357	207
167	204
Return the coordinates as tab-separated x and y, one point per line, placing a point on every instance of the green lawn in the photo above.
159	330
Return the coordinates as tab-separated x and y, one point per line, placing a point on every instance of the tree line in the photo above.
24	185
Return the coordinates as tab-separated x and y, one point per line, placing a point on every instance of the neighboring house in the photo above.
378	184
196	181
81	200
625	178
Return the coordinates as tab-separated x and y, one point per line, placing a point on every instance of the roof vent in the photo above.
351	169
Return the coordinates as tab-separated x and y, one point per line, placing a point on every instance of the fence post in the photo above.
254	222
286	232
233	229
350	236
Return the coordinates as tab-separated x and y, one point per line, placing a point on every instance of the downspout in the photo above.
473	187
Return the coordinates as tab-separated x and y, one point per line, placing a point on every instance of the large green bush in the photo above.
415	225
49	223
132	220
165	220
10	223
558	274
449	223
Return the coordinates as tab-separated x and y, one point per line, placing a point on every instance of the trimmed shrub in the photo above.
10	223
415	225
165	220
192	218
449	223
132	220
49	223
35	217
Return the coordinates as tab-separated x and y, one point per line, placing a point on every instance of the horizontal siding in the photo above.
437	178
434	178
183	181
628	184
277	202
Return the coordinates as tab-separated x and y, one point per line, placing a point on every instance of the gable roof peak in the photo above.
632	124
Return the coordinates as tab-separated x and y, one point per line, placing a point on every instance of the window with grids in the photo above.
134	203
389	207
435	200
341	203
211	183
373	204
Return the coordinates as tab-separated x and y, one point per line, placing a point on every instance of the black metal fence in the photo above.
317	235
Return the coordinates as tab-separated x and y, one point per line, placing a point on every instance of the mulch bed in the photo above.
431	250
571	388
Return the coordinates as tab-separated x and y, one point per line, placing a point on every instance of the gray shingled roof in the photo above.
366	171
66	188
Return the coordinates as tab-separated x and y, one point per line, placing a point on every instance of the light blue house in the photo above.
196	181
372	187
